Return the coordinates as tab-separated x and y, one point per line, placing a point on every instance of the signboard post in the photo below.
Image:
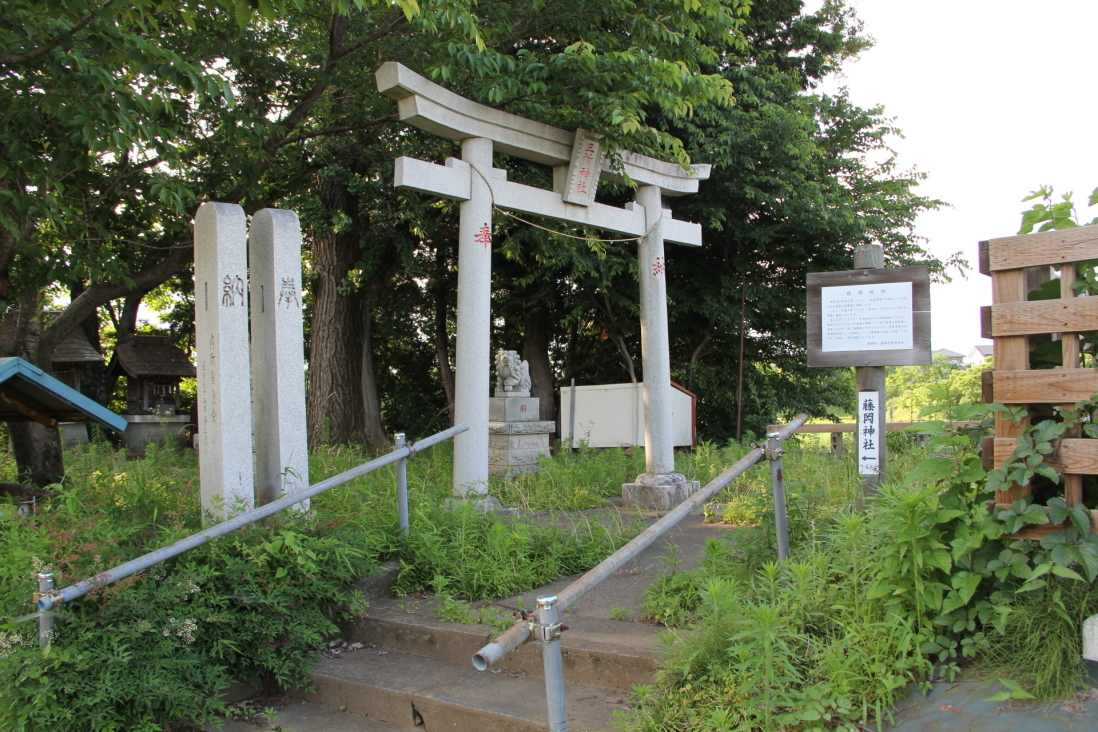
869	318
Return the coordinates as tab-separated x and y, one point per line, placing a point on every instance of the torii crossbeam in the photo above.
578	166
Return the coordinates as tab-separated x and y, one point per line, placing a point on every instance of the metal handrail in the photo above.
517	634
52	598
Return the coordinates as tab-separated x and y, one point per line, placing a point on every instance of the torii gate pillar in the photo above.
659	486
479	187
474	322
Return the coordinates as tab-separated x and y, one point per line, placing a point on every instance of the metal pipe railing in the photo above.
402	486
517	634
54	598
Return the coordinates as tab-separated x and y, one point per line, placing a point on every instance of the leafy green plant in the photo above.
485	556
798	645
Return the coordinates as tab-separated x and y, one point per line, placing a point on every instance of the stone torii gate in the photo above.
578	166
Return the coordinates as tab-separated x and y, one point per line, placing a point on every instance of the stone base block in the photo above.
538	441
521	428
514	409
514	462
74	433
658	497
146	428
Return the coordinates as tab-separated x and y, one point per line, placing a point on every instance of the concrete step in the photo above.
303	716
606	653
413	691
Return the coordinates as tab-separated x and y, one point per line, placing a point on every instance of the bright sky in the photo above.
995	98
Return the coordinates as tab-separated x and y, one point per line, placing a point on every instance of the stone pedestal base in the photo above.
516	437
659	492
146	428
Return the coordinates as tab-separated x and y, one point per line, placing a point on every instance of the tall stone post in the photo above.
278	356
659	487
221	345
472	368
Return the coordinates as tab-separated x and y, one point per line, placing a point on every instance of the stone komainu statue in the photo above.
512	374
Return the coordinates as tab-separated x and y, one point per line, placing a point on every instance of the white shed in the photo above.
612	415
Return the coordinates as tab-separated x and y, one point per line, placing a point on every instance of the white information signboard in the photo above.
867	317
870	433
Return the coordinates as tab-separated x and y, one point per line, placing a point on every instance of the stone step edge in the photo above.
604	664
446	695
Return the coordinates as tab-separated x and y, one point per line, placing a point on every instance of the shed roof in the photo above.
74	349
27	393
148	355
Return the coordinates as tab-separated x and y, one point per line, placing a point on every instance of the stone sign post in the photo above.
869	318
578	166
254	383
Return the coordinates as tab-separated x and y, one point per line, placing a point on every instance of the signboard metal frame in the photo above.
918	355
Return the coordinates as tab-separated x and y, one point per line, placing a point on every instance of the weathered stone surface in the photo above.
224	358
473	349
516	457
521	428
519	442
145	428
513	409
278	356
658	497
512	375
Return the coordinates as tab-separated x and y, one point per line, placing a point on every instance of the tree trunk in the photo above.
373	432
37	452
37	449
334	404
536	351
124	328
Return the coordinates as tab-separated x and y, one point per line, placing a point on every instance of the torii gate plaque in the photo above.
578	165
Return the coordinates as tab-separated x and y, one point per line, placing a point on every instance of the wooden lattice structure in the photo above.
1018	265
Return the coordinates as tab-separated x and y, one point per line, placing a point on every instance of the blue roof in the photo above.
28	393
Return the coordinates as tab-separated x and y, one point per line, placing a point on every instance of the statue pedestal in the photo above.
516	437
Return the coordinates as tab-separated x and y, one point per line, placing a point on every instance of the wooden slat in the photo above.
1046	248
849	427
1044	386
28	411
1044	316
1011	354
1069	342
1073	455
987	452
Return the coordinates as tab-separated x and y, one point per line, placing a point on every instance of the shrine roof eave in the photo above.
26	392
432	108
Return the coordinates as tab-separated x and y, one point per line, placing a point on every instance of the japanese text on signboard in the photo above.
867	317
869	434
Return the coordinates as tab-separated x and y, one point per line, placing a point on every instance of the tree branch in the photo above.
337	129
100	294
43	50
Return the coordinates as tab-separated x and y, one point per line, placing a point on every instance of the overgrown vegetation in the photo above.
151	651
926	581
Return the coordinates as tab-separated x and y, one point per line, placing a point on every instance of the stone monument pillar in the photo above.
278	356
516	435
224	358
659	487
